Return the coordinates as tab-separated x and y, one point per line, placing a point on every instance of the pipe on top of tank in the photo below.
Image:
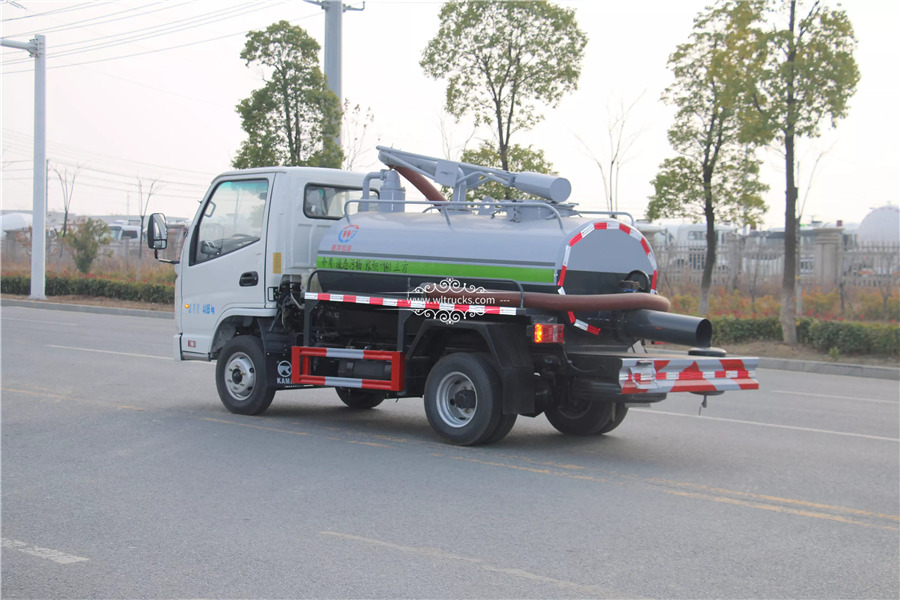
464	176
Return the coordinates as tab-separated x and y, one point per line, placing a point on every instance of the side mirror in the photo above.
157	232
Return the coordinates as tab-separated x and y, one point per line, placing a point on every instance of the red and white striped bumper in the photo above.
687	374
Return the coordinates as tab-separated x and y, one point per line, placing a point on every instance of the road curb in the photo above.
808	366
804	366
87	308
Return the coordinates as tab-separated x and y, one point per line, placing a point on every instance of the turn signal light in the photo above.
548	333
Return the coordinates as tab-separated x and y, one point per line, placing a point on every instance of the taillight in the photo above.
547	333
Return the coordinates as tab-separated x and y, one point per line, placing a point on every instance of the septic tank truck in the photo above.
489	309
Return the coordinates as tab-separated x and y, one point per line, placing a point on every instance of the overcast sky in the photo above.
146	90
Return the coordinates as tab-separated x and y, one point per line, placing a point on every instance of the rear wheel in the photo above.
360	399
580	417
618	415
241	376
463	400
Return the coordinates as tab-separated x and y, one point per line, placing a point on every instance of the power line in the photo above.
143	33
99	20
58	11
22	140
99	60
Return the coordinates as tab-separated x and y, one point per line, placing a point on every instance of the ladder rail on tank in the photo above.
465	206
613	214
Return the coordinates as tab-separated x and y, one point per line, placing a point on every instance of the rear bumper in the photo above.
700	374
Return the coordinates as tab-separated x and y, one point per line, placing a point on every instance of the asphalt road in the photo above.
124	477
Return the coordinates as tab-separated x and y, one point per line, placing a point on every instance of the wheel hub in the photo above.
240	376
456	399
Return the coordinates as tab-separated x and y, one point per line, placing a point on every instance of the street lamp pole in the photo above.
38	50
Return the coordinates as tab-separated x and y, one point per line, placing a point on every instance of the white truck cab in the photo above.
239	247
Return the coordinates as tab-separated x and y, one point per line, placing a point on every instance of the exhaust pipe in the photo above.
667	327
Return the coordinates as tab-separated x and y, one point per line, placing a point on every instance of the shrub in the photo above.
851	338
730	330
137	291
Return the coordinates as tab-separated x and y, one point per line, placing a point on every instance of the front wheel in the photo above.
360	399
463	400
241	376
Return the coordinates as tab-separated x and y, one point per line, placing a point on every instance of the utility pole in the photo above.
334	10
37	48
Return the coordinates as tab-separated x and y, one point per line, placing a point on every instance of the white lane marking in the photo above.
37	321
773	425
437	553
892	402
110	352
46	553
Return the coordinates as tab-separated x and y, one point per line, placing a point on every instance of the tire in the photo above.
463	400
505	426
359	399
618	415
581	417
241	376
506	421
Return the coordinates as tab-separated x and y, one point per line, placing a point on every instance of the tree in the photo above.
85	240
501	58
294	119
520	159
715	176
806	77
143	207
353	133
67	183
620	144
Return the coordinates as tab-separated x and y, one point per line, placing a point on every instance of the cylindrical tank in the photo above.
530	243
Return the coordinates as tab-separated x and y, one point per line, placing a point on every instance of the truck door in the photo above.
225	259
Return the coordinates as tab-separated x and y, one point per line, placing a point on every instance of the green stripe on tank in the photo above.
435	269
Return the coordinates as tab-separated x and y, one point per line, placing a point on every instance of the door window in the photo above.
231	220
327	201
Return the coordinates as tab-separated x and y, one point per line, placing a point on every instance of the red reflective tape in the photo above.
375	384
404	303
311	379
376	301
692	372
576	239
571	317
632	388
306	351
645	245
600	225
653	283
733	364
592	329
562	275
492	310
349	298
379	354
625	228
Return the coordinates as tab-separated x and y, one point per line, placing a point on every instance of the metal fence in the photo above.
825	261
747	261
